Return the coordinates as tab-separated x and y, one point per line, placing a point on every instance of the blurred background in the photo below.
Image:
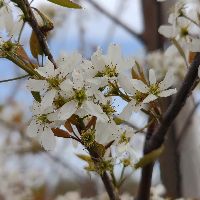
29	172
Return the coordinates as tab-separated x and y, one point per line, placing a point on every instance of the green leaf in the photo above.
149	158
84	157
99	149
36	96
118	120
66	3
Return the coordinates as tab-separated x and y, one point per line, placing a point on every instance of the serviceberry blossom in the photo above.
108	67
84	88
40	126
8	23
155	89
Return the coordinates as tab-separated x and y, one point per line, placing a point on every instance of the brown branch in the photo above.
30	18
111	190
152	20
158	136
116	20
109	187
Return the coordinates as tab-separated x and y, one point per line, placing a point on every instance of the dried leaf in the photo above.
35	47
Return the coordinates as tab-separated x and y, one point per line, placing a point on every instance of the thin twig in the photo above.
116	20
30	18
14	79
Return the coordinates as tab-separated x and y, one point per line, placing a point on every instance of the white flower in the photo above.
6	20
49	87
78	94
155	89
8	23
108	67
107	132
135	104
40	127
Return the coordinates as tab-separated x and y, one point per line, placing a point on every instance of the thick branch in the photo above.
152	20
30	18
116	20
175	107
156	140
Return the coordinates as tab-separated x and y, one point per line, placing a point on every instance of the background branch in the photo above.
116	20
158	136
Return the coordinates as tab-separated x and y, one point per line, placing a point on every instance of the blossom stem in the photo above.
109	186
13	79
113	195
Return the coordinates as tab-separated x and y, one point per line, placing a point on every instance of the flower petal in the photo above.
37	85
166	30
34	129
67	110
48	139
139	85
152	77
168	81
125	84
66	86
150	98
199	71
114	53
48	99
78	80
95	110
129	109
167	93
47	70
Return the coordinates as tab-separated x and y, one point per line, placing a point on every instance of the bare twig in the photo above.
116	20
158	136
14	79
30	18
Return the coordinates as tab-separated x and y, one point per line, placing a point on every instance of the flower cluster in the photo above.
77	99
184	25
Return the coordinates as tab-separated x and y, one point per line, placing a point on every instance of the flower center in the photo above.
54	82
88	137
43	119
126	162
104	165
154	89
7	46
184	32
59	101
108	109
109	71
80	96
124	138
139	97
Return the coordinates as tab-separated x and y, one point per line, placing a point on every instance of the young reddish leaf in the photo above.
60	133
